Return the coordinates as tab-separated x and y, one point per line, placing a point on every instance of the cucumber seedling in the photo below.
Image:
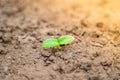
52	42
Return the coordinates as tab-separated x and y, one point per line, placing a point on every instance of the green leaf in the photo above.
65	39
52	42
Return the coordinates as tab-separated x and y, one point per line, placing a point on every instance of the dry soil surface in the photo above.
94	55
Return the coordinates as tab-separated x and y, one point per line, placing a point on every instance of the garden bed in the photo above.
94	55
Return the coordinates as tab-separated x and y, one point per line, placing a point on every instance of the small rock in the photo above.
46	54
16	47
34	46
96	54
86	67
4	45
48	63
50	33
33	34
94	78
6	68
100	24
3	52
52	57
105	63
97	44
55	67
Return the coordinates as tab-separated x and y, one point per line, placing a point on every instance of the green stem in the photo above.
59	47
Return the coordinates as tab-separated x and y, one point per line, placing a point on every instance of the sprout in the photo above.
52	42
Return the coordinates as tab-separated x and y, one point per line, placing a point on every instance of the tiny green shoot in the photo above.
52	42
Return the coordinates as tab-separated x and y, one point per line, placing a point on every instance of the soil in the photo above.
25	24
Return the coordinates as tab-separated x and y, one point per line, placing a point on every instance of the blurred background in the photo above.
77	12
70	11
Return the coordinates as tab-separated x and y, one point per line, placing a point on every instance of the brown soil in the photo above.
95	54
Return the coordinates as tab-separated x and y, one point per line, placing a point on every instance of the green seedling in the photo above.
52	42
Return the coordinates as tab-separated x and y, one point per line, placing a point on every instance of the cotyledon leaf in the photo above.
52	42
65	39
